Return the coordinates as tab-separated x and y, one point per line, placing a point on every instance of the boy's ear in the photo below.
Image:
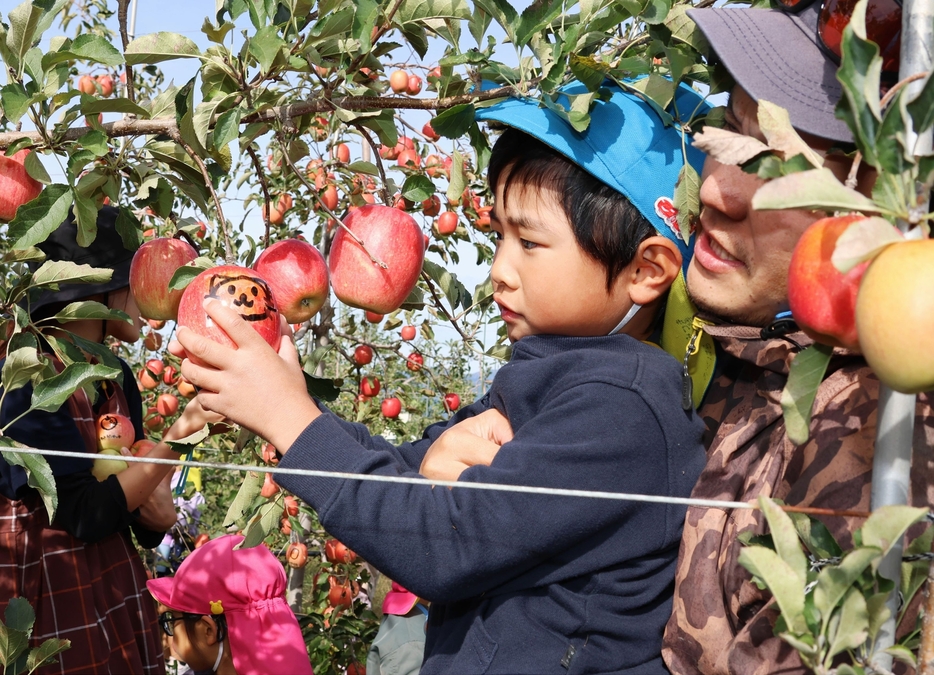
654	268
207	627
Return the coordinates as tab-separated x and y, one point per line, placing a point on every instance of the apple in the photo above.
156	324
202	539
273	215
296	555
167	404
170	375
414	362
16	186
394	239
409	159
241	289
298	275
142	447
413	85
895	316
362	355
269	454
106	83
154	421
399	81
408	332
86	85
285	526
152	341
373	317
823	299
106	464
391	407
429	132
270	487
114	432
153	267
341	152
355	668
483	218
452	401
369	386
431	207
447	223
433	165
337	553
186	388
340	595
291	506
147	380
385	152
329	197
202	229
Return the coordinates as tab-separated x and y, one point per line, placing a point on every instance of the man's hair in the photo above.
606	225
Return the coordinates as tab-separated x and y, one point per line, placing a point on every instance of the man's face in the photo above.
740	267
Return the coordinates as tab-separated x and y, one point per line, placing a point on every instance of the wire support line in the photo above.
410	480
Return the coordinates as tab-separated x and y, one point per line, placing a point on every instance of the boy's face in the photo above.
543	281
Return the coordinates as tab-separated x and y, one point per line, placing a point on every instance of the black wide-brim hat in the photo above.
107	251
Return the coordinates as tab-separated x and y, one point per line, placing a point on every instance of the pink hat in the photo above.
399	601
248	587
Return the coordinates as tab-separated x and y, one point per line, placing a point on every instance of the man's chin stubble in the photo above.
739	317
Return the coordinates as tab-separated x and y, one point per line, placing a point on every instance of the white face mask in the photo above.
626	319
220	653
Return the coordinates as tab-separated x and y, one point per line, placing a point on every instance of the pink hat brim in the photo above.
399	603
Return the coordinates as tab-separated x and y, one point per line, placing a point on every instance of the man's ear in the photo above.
653	269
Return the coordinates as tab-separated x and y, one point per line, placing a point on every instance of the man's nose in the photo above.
728	189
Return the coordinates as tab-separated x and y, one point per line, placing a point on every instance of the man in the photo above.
722	623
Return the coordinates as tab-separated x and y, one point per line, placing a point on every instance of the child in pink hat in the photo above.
227	607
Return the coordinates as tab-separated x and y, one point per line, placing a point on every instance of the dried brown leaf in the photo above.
783	139
728	147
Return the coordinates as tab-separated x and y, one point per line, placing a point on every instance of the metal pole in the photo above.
891	468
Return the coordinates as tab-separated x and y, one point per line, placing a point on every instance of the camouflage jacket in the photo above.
721	622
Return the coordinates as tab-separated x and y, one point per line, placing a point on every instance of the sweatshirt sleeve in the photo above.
447	545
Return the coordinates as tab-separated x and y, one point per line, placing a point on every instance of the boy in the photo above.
525	583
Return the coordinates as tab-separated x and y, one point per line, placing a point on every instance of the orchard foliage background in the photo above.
280	125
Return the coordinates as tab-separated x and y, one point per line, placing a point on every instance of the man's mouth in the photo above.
720	251
712	256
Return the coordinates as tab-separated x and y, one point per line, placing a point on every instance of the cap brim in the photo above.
775	56
161	590
399	603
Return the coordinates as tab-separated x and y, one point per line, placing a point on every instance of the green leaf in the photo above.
816	536
50	394
185	274
85	211
834	581
785	538
411	11
366	14
35	169
921	107
128	227
455	121
19	615
536	17
418	188
728	147
888	524
853	627
190	443
504	14
321	387
903	654
687	199
684	29
38	475
263	523
92	106
12	644
782	137
862	241
814	190
54	272
366	168
89	309
781	580
804	377
458	181
28	21
657	91
15	101
266	46
455	292
227	128
45	653
22	362
36	220
249	490
85	47
588	70
158	47
859	73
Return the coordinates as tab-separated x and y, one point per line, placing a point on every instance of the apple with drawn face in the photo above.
241	289
298	275
114	432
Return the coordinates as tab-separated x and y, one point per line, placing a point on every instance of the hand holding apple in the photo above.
248	383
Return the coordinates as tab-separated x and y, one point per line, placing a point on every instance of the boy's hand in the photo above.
249	384
192	420
470	442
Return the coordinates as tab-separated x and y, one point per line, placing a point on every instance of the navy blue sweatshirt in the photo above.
524	583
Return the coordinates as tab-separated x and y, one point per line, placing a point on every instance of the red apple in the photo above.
291	506
114	432
142	447
340	595
269	454
362	355
154	421
337	553
16	186
241	289
414	362
341	152
86	85
391	407
408	332
399	81
373	317
167	404
429	132
270	487
152	269
329	197
369	386
447	223
202	539
106	83
409	159
152	341
414	85
452	401
186	388
298	276
170	375
296	555
431	207
821	298
394	239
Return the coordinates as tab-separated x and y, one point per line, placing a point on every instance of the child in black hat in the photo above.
81	573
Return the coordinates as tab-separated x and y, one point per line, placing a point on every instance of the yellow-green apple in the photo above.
106	463
391	407
298	275
241	289
823	299
114	432
394	239
152	269
895	316
16	186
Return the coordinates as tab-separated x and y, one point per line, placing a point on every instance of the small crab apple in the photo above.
408	332
399	81
391	407
362	355
431	207
106	83
452	401
341	152
329	197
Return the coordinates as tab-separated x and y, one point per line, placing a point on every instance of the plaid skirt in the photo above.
92	594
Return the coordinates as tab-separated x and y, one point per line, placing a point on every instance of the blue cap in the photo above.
627	146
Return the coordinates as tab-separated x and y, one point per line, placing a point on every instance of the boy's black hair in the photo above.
606	225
